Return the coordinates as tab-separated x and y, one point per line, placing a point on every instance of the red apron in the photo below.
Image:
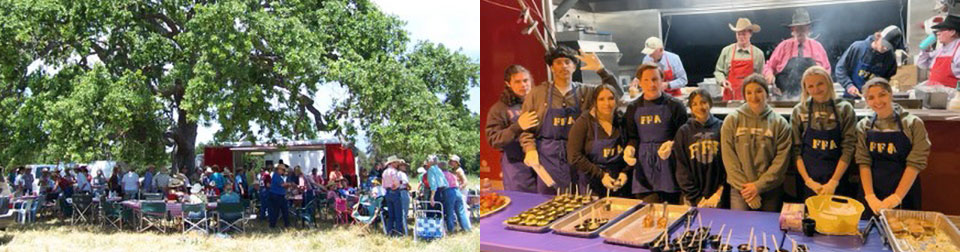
941	73
739	69
668	77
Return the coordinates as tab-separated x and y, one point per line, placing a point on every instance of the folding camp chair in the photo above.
372	208
152	196
65	208
232	215
153	213
111	212
428	217
307	213
82	208
194	217
343	211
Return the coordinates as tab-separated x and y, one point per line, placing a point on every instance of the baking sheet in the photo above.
940	221
630	231
619	208
544	228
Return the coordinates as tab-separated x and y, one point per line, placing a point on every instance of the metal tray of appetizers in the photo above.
907	230
589	221
643	226
539	218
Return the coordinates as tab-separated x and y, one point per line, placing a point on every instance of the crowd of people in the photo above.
278	187
645	144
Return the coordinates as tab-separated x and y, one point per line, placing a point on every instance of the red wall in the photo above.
501	45
220	156
336	154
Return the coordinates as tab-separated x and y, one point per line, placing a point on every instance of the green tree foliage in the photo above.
119	77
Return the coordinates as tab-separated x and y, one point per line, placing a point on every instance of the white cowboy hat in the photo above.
195	188
392	159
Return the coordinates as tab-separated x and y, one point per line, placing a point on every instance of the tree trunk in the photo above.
185	135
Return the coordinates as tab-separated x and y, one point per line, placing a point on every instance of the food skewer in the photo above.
765	240
729	234
774	238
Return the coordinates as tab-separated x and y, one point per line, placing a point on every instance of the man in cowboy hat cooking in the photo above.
943	62
738	60
793	56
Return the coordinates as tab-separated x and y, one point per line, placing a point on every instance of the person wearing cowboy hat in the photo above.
196	195
557	104
172	191
785	67
278	189
738	60
868	58
943	62
674	75
397	185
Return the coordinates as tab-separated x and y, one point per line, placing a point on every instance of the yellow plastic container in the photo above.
835	215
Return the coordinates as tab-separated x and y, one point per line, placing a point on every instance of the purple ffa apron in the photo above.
821	149
517	176
607	154
862	72
653	174
888	153
552	143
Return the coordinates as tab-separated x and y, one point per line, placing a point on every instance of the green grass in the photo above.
52	235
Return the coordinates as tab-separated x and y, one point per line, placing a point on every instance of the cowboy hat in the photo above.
195	188
744	24
951	22
392	159
800	17
175	182
562	51
454	157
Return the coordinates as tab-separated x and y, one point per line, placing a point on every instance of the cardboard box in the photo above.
905	79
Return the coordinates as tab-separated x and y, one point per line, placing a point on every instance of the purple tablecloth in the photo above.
174	209
494	237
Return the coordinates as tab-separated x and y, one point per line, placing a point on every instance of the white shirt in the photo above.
130	181
82	183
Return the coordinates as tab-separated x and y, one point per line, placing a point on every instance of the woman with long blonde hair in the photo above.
824	136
